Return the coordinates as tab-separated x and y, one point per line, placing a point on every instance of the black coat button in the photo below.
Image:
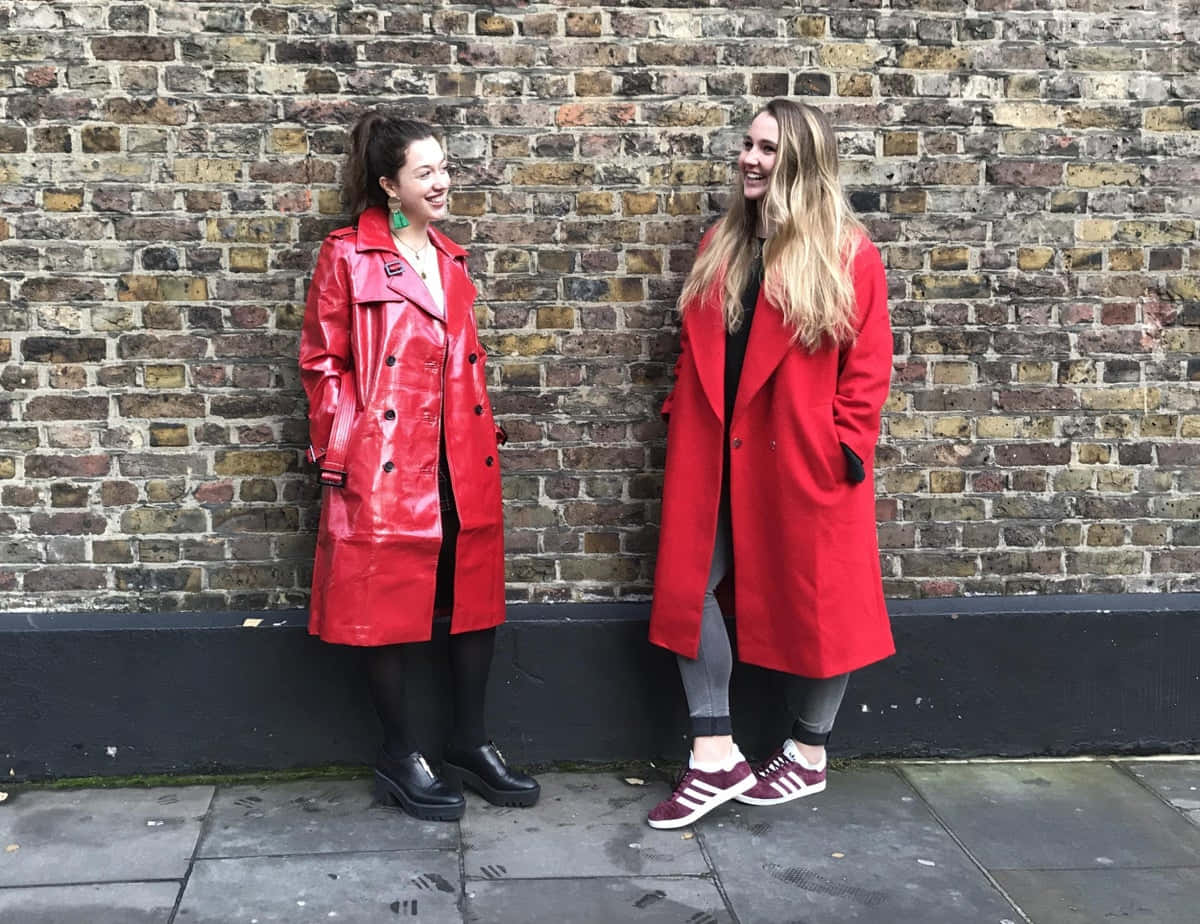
479	409
490	461
388	466
389	415
391	360
472	358
737	443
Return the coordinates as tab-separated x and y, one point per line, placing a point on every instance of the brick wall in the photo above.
1028	167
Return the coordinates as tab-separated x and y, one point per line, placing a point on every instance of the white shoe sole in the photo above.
790	797
733	792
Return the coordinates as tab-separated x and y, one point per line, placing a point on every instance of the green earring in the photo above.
399	219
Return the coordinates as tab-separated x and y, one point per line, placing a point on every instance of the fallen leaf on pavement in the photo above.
635	781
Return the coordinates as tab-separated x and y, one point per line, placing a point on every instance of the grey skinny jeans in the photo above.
814	702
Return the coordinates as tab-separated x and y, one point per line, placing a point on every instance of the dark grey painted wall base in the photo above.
103	694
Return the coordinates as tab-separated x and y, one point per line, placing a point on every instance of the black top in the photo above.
735	358
736	341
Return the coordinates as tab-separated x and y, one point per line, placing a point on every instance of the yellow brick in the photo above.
524	344
1034	258
952	427
932	59
329	202
1094	454
165	377
62	201
684	203
643	261
951	373
1031	373
1184	287
594	203
182	289
593	83
468	203
626	289
1120	399
1163	119
639	203
569	174
998	428
808	26
1093	176
556	317
1190	426
848	56
248	259
1123	261
207	170
898	144
855	85
1095	229
289	141
1115	481
1027	115
906	428
947	482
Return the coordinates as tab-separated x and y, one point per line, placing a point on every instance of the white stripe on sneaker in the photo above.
688	804
713	790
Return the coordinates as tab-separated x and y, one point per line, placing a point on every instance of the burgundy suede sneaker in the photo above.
782	779
698	793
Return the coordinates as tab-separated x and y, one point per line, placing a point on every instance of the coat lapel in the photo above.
460	292
706	340
769	343
397	276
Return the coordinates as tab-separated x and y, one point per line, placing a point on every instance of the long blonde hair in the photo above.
811	236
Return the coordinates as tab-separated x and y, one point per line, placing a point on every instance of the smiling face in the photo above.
757	159
423	184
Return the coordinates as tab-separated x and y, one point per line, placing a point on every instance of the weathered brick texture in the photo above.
1028	167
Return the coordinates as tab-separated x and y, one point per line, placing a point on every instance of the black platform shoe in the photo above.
484	770
409	783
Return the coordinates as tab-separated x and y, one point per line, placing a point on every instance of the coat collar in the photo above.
769	343
375	234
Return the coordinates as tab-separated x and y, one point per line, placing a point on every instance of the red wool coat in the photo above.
372	333
807	591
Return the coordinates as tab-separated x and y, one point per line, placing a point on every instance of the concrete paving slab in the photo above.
100	835
584	825
1176	781
317	816
363	888
1131	896
596	901
111	903
1055	816
865	850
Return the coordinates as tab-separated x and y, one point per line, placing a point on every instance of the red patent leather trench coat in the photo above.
372	331
807	591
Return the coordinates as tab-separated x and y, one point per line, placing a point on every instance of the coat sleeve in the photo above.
326	365
865	366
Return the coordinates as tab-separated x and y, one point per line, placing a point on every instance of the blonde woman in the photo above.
772	423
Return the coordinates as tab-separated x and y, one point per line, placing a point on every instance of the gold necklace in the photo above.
418	255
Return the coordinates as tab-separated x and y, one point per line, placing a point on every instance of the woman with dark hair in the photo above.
400	423
772	423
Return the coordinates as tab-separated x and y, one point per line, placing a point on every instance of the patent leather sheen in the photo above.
373	335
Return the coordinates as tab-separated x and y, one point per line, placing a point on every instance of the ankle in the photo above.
714	753
811	755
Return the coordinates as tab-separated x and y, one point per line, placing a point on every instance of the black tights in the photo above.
395	676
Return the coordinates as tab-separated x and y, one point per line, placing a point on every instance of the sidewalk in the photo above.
895	842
